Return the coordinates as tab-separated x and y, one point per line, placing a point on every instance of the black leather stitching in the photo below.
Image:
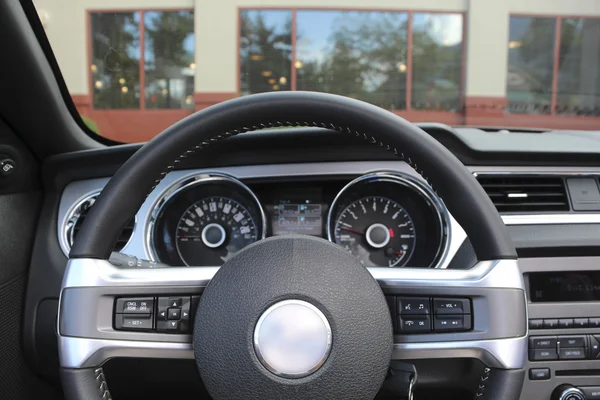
280	124
102	385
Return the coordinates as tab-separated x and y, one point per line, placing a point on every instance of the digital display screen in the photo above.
564	286
298	211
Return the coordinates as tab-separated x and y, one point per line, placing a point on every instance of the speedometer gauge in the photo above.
211	230
377	230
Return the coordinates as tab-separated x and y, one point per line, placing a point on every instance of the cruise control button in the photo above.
133	322
550	323
565	323
539	374
572	341
416	324
543	355
451	306
135	305
581	323
413	305
572	354
546	342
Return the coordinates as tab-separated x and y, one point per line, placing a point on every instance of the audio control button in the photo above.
591	392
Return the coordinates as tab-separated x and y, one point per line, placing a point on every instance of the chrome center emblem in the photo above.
292	338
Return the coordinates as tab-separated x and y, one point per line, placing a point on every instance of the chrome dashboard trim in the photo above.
422	189
137	246
82	352
184	184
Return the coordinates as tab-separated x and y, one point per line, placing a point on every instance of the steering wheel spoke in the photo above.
91	287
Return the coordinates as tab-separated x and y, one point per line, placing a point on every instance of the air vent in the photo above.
78	216
526	193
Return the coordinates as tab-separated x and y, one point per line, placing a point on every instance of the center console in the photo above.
563	301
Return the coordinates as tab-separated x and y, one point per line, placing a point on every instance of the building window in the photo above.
143	59
579	67
116	60
437	61
360	54
530	64
265	51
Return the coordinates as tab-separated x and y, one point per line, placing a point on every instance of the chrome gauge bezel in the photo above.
184	184
411	183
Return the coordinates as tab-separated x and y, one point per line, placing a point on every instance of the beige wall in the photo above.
216	33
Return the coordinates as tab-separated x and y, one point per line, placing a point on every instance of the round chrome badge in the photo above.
292	338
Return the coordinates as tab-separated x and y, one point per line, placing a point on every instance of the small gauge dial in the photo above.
213	229
377	230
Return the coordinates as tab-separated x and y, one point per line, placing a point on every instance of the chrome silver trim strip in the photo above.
551	219
80	352
499	353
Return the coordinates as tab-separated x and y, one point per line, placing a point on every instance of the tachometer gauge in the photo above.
377	230
211	230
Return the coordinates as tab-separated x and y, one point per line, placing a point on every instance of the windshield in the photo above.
135	70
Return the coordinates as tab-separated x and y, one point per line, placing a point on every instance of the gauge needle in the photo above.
351	230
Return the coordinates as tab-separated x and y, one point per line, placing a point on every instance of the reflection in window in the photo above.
265	50
530	64
579	67
437	61
115	60
355	54
169	59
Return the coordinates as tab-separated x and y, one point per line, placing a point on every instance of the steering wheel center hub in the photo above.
292	338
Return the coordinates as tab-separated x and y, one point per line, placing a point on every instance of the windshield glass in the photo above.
134	67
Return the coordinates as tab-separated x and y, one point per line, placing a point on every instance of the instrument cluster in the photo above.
385	219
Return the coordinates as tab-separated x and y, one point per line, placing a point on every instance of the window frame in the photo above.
142	63
555	62
448	117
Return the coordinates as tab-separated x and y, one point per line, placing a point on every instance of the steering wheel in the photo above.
292	317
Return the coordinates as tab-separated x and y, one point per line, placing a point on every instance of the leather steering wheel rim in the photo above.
128	188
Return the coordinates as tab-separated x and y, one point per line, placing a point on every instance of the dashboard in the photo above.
279	184
383	213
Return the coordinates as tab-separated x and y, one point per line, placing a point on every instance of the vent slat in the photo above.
83	212
526	193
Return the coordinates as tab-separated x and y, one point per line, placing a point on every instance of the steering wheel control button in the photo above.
543	355
135	306
551	323
452	306
134	322
174	314
572	354
413	306
416	324
547	342
539	374
292	338
565	323
538	323
448	323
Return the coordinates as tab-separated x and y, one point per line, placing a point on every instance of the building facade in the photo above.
133	67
